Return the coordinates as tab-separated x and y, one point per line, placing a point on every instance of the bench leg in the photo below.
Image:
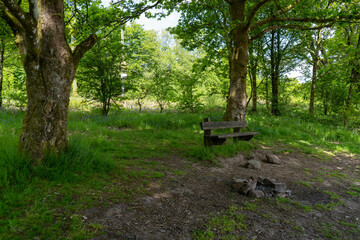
212	141
243	138
207	142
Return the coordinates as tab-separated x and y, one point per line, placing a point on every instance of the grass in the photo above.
354	191
304	207
308	135
111	159
225	226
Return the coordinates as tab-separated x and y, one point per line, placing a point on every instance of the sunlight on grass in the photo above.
111	159
305	142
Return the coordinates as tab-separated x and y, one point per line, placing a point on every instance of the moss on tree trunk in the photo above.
236	102
50	67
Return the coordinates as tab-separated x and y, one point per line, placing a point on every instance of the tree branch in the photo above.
312	20
83	47
289	26
123	20
276	15
14	24
215	12
254	11
15	16
288	8
34	11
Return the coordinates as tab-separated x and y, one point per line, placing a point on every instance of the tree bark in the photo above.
105	98
253	64
315	58
161	106
275	71
325	106
313	84
267	93
254	88
236	102
139	104
50	67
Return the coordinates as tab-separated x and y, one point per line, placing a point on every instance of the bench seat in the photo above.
242	135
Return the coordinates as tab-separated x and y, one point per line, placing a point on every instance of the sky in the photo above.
153	23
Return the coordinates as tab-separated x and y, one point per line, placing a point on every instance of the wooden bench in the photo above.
218	139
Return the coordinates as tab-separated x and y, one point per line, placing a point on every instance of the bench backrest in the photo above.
207	125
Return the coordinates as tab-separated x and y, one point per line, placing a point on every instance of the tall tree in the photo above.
315	56
315	47
275	57
354	80
254	61
282	58
247	22
50	64
338	78
142	47
99	75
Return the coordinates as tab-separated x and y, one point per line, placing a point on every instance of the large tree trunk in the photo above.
50	68
2	59
253	64
254	88
313	83
236	102
275	71
315	58
325	104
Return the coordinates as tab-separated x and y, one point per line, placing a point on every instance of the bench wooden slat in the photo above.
230	135
223	125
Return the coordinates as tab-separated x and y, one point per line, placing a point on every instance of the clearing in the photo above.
195	201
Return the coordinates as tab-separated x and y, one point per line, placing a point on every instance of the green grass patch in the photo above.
228	225
354	191
330	231
308	135
304	207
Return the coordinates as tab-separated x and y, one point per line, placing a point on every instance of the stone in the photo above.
280	187
269	182
253	164
238	184
244	189
259	156
260	187
261	179
273	159
252	183
286	193
256	194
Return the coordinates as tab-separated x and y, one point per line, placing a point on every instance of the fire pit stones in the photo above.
262	187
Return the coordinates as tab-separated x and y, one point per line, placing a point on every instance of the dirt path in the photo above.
192	193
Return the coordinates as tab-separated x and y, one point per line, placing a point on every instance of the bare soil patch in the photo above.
192	193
